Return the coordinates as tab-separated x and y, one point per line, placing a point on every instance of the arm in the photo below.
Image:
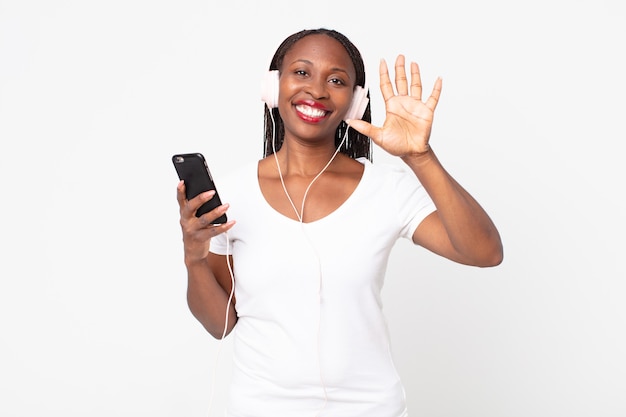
460	229
208	275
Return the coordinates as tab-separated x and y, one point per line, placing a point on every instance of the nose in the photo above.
317	87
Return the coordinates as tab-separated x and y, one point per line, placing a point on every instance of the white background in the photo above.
95	97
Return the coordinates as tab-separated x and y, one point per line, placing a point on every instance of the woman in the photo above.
315	223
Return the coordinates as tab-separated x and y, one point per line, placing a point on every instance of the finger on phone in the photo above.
212	216
180	193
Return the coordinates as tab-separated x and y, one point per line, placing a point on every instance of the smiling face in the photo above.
316	88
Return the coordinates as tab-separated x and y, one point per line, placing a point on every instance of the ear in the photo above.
358	105
269	88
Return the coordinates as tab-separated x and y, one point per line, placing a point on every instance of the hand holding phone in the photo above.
192	168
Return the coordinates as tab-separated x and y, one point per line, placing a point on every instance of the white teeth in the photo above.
310	111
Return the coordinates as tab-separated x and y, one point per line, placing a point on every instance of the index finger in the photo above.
180	193
386	88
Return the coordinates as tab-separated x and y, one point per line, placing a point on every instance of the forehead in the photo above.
320	50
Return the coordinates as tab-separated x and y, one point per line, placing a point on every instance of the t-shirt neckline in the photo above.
343	206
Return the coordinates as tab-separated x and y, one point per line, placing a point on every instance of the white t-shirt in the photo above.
311	334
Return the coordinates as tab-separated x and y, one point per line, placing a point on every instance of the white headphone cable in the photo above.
300	216
221	341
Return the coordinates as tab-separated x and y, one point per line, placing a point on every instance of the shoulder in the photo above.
388	173
266	167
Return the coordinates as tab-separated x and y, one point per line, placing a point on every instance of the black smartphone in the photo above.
193	169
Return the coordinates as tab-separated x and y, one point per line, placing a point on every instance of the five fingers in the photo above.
402	86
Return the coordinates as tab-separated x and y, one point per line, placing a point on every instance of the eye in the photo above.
337	81
301	73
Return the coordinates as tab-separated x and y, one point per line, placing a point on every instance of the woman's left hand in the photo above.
408	121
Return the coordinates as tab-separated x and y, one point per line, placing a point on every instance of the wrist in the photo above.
416	156
195	261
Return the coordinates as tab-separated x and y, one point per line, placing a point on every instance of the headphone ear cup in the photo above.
269	88
358	105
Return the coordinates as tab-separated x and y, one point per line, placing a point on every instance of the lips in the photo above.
311	111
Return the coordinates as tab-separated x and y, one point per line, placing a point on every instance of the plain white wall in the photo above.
96	96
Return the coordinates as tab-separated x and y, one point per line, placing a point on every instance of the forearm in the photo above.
208	300
470	230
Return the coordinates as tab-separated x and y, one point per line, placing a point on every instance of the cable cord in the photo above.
300	216
221	341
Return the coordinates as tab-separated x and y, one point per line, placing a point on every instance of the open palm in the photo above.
408	120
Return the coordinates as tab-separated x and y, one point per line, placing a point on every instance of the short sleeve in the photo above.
220	245
413	204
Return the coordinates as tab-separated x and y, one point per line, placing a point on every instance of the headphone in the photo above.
269	95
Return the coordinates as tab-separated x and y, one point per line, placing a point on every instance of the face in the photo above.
316	87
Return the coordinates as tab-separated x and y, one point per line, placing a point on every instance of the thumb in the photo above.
364	128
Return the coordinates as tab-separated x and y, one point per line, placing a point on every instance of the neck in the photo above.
304	160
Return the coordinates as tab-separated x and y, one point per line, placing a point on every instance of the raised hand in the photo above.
408	121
